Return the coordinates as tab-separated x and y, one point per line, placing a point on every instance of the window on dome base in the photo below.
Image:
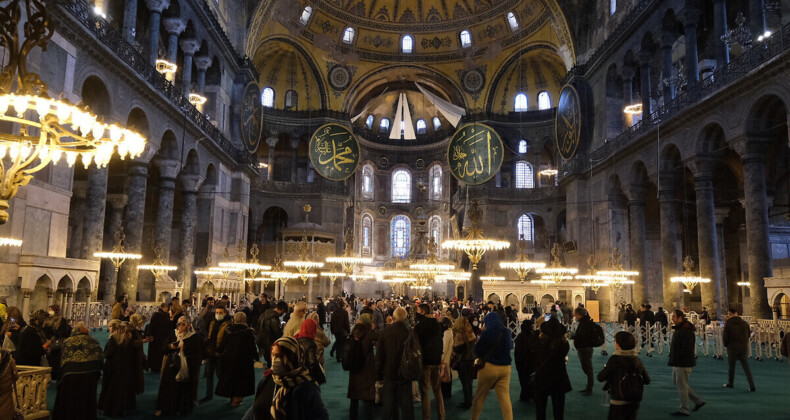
421	127
369	122
512	21
306	13
348	35
407	44
520	104
544	100
267	97
437	124
466	39
384	125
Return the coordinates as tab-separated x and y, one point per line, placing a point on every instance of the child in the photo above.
624	376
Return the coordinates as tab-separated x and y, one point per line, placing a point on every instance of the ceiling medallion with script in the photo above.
334	152
475	153
568	125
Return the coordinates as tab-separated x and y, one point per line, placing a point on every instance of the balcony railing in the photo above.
737	69
32	391
318	187
113	41
508	193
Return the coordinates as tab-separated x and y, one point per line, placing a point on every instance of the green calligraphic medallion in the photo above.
251	117
334	152
475	153
568	126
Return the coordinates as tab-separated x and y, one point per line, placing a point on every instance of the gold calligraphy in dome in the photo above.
334	152
568	123
475	154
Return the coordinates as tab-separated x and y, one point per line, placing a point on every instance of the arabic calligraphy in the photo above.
568	123
251	117
334	152
475	154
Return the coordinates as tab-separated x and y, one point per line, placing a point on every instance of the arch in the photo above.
528	301
511	299
525	227
577	299
437	124
369	121
168	148
214	72
367	234
407	44
544	100
368	181
521	102
518	72
781	305
138	121
192	164
66	283
766	115
401	186
274	219
436	182
711	140
670	162
291	99
524	175
384	125
545	300
493	297
613	84
96	96
283	64
400	236
522	146
421	127
267	97
39	298
211	175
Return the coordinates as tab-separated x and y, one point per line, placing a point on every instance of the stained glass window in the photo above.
436	183
400	231
367	230
401	186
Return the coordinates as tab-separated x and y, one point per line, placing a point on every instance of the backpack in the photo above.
631	385
352	355
411	358
598	336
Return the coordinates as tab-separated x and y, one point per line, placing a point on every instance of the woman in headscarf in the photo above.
32	341
523	358
81	364
321	340
178	389
239	353
306	337
463	357
12	329
548	363
119	383
296	395
135	328
56	329
8	376
362	384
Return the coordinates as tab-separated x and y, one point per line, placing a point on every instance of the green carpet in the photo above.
771	401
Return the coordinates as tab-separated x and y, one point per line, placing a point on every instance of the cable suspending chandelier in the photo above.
48	129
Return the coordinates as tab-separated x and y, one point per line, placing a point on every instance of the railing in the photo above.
725	76
318	187
113	40
508	193
32	391
98	314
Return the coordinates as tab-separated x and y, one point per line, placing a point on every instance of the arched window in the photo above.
406	44
512	21
437	124
367	234
435	229
291	99
384	125
400	231
525	227
612	6
544	100
369	122
267	97
466	39
310	172
421	127
306	13
522	146
521	102
401	186
367	181
524	177
348	35
436	183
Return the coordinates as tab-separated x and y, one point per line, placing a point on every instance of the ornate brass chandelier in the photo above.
431	266
619	277
45	129
348	261
118	254
279	272
475	245
688	278
249	269
593	280
522	265
303	264
158	267
556	271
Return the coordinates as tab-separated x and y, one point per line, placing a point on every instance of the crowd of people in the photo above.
396	352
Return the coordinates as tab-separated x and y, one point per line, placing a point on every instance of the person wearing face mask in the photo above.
216	332
177	387
296	395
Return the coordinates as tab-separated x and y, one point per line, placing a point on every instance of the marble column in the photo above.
69	304
668	37
719	30
310	291
670	252
690	18
189	46
50	297
202	63
26	303
637	241
93	213
645	58
727	284
272	142
707	241
190	185
757	24
277	289
294	147
174	27
108	276
758	242
133	226
155	8
129	20
168	170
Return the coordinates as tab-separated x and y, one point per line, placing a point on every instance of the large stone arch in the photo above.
96	96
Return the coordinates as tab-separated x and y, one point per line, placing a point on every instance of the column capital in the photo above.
769	202
645	57
168	168
690	16
174	26
702	166
26	294
117	201
628	71
190	183
666	195
189	45
157	6
202	62
721	214
668	37
271	141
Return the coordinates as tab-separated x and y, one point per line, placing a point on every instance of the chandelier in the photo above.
332	275
432	266
54	127
593	280
688	278
348	261
279	272
556	271
492	279
250	270
158	267
744	284
677	79
545	281
165	67
303	264
634	109
10	242
522	265
118	254
740	34
619	277
361	277
475	244
549	172
456	277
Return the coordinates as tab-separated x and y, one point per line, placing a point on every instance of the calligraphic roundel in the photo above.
475	153
568	125
334	152
251	117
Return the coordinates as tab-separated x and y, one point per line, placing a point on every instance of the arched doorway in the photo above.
545	301
782	306
512	300
493	297
528	302
39	299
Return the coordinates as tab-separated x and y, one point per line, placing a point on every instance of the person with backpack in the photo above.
624	376
360	361
429	333
551	375
270	330
584	339
493	364
682	360
396	343
735	338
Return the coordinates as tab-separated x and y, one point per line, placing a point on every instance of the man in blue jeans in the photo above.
396	392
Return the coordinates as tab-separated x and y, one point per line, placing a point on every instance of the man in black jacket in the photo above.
682	359
321	310
736	338
429	332
646	320
269	330
340	327
216	332
583	340
396	391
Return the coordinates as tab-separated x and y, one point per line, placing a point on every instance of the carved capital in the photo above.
691	16
157	6
148	153
26	293
202	62
721	214
168	168
628	71
271	141
190	45
117	201
191	183
645	57
174	26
